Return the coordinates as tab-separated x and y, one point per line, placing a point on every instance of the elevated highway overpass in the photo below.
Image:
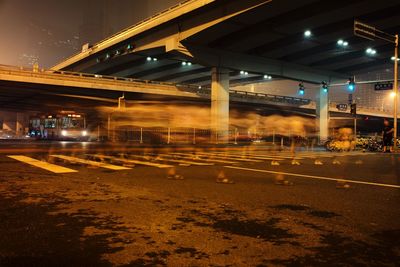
215	44
23	89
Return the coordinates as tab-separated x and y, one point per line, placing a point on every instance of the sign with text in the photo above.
341	107
371	33
383	86
364	30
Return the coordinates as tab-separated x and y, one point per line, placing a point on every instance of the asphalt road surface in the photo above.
76	204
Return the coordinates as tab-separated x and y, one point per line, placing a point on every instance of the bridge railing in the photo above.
238	94
183	87
122	32
95	77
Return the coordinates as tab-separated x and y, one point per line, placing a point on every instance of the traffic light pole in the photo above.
371	33
396	91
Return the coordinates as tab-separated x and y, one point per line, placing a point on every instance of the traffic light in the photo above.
325	86
353	109
351	85
301	88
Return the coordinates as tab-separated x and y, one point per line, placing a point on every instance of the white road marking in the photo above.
272	156
91	162
161	158
42	164
226	156
314	177
132	161
196	157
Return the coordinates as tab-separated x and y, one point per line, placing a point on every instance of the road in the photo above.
77	204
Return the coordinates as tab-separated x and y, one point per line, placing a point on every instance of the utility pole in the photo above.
395	90
371	33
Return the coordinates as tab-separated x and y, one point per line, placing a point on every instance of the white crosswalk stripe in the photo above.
163	158
133	161
271	156
226	156
42	164
91	162
199	158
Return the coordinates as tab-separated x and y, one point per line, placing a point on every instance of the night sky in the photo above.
48	31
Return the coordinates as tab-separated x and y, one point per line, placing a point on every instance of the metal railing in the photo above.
206	93
123	31
193	136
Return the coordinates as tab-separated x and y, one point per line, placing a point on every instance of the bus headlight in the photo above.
64	133
84	133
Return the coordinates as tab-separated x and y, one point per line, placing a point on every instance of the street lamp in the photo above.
371	33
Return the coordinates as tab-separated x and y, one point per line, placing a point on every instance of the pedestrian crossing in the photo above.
42	164
127	161
91	162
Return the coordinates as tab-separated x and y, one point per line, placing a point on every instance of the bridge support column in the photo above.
220	104
323	115
20	124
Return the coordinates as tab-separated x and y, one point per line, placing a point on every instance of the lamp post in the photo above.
371	33
395	90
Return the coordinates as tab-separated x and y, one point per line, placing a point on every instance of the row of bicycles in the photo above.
373	144
345	140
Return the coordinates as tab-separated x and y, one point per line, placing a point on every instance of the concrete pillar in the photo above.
322	111
220	104
20	124
9	121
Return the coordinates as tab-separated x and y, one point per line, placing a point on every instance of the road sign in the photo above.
371	33
341	107
383	86
364	30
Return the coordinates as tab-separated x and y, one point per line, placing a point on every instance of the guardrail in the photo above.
271	98
205	92
136	25
131	81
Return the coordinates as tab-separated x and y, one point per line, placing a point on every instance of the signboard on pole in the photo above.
383	86
364	30
341	107
371	33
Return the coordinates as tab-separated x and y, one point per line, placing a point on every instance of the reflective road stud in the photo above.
172	175
222	179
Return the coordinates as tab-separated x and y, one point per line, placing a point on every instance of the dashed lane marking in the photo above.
315	177
91	162
42	164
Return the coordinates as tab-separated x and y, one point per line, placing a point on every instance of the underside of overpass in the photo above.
248	41
260	37
215	44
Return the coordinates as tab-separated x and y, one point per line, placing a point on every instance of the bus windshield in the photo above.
71	123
